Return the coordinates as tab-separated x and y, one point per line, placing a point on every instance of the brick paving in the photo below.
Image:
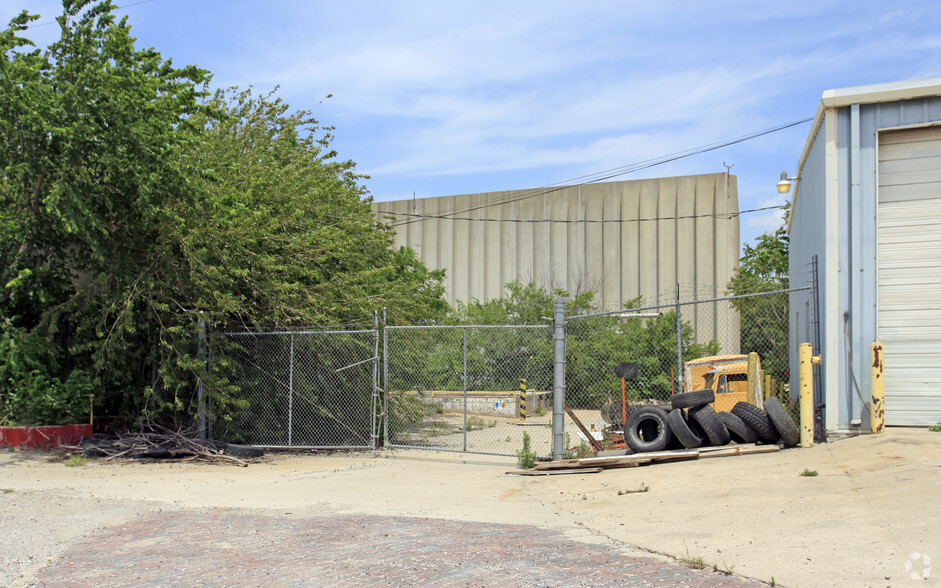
236	548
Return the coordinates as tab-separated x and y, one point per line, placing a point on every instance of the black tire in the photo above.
647	429
757	419
612	413
691	399
739	430
782	422
242	450
679	426
713	426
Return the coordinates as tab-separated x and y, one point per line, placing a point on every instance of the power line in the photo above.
723	215
52	22
610	173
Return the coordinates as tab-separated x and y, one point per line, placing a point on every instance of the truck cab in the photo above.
725	375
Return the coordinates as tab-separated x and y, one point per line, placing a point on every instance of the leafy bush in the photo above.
526	457
30	390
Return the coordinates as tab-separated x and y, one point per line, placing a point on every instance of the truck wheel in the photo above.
757	419
711	424
740	431
647	429
679	425
691	399
782	422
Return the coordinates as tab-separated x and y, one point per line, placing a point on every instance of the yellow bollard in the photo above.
877	390
523	399
807	393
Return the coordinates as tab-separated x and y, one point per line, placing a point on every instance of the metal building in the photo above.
867	204
623	240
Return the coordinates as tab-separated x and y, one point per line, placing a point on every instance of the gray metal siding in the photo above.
670	230
807	238
856	222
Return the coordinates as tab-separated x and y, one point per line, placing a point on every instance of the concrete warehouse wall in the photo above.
620	239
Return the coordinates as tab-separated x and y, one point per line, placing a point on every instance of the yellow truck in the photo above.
726	375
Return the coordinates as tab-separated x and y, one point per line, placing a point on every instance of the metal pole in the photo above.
465	389
200	393
385	376
291	393
374	432
558	381
679	342
819	406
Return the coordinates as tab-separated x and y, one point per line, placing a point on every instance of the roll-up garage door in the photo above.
909	261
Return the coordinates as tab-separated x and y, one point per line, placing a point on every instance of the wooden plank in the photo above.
535	472
743	451
595	444
602	462
653	455
723	447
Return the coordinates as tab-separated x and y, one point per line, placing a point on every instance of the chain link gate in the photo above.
461	388
296	389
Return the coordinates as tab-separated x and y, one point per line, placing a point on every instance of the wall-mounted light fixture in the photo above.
784	186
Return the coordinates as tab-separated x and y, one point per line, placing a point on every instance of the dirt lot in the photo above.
870	518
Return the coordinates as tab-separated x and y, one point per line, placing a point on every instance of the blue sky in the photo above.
441	98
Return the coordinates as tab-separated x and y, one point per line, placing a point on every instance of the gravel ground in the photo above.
868	518
33	537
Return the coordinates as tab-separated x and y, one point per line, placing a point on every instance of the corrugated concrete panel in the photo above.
622	240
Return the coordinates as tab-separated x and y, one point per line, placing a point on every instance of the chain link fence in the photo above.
736	346
479	389
461	388
304	389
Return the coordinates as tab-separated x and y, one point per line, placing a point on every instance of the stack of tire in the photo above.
692	422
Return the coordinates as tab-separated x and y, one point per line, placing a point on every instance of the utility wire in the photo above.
724	215
52	22
607	174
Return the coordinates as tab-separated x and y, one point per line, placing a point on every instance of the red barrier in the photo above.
43	436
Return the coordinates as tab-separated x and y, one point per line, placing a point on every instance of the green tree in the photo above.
764	319
284	234
132	202
92	133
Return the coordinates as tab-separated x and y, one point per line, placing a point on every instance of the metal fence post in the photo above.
200	394
679	343
385	377
465	388
291	394
374	433
558	381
